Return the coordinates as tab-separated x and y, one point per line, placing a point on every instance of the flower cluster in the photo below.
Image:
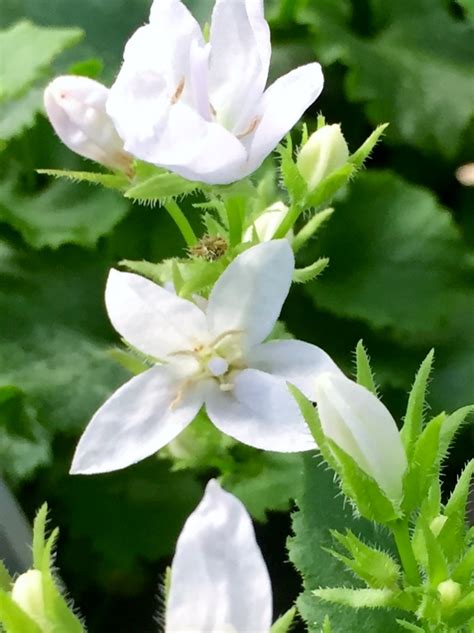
199	108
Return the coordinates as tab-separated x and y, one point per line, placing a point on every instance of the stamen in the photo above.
251	128
178	92
224	335
226	386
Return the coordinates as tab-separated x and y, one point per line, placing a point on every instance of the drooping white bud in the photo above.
353	418
27	592
325	152
76	109
267	223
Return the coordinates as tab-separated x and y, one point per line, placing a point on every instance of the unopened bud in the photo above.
355	419
76	109
267	223
325	152
449	593
437	524
27	592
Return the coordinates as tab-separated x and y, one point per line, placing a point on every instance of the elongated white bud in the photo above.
267	223
353	418
76	109
27	592
325	152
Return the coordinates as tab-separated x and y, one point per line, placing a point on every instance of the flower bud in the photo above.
76	109
354	419
27	592
325	152
449	593
437	524
267	223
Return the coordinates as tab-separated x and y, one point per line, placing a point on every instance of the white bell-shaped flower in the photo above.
356	420
212	356
201	108
76	109
219	580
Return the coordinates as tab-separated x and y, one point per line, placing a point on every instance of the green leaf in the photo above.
58	336
310	229
24	442
303	275
321	509
110	181
357	598
451	426
161	187
437	568
284	622
458	499
61	215
267	483
19	114
5	578
394	252
328	187
292	179
416	405
13	618
396	75
30	49
39	542
462	573
359	157
365	376
423	464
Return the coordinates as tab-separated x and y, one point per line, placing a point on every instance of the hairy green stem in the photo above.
401	534
234	217
182	222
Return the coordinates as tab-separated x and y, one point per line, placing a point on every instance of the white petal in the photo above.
364	428
297	362
156	69
137	420
249	295
261	412
152	319
219	581
281	107
193	147
240	56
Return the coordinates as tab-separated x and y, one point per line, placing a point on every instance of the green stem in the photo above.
182	222
233	208
401	535
288	221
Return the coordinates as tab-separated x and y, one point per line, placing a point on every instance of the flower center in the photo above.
218	366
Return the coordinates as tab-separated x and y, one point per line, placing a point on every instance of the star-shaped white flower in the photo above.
200	108
219	580
212	357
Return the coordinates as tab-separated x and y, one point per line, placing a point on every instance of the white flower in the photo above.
363	427
219	581
76	109
213	357
325	152
201	109
267	223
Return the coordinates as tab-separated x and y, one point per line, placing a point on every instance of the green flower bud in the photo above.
27	592
449	593
325	152
437	524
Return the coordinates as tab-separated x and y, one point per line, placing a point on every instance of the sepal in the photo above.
377	568
358	598
284	622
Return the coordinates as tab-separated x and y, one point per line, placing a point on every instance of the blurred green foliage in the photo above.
400	245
